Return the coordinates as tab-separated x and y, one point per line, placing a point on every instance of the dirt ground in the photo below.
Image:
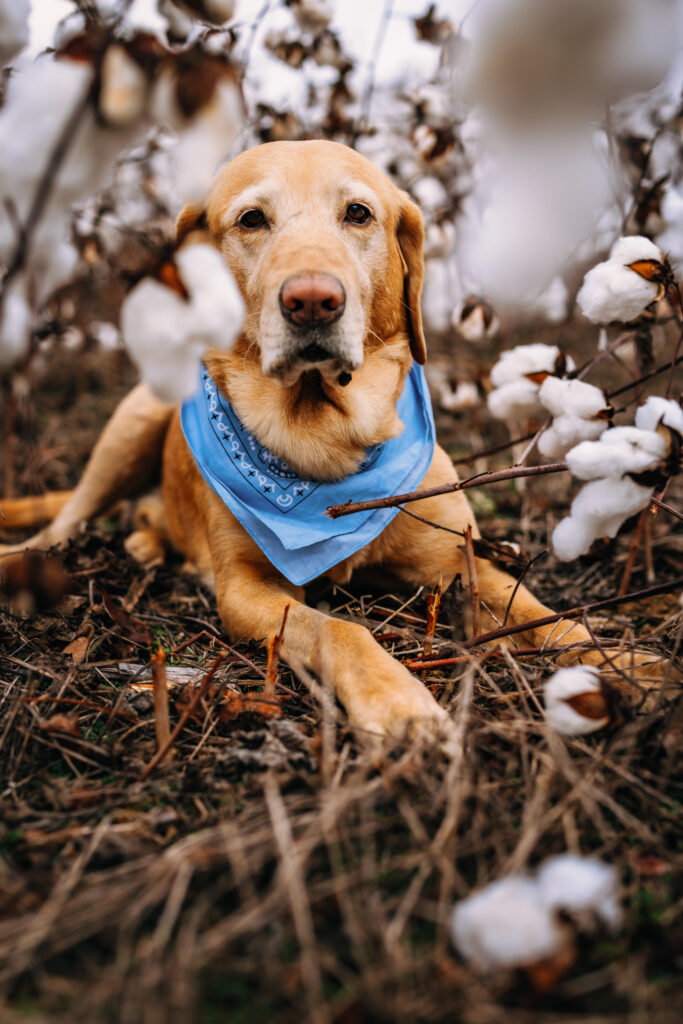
275	869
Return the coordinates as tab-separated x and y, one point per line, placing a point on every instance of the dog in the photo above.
327	254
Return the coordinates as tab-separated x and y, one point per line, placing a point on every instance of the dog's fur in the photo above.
301	412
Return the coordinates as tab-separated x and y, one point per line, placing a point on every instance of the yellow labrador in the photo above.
327	253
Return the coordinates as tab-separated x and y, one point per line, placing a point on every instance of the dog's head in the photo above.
326	251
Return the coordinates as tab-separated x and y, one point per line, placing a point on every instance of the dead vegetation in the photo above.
272	866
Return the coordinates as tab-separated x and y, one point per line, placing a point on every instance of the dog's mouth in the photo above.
314	352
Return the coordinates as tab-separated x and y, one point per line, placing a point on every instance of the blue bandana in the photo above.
284	514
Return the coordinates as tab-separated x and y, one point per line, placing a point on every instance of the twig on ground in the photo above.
274	647
162	723
474	581
189	710
433	605
571	613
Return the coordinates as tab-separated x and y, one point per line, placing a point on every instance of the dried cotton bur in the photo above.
575	703
530	921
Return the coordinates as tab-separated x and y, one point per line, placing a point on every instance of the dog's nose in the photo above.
312	298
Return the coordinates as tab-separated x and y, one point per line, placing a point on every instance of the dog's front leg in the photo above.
377	692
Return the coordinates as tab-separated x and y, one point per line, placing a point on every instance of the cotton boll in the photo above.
312	15
566	432
599	510
14	32
614	292
16	324
618	451
475	320
633	248
430	194
123	88
658	410
39	100
516	399
205	142
505	926
574	397
464	396
516	362
574	703
167	335
609	503
572	538
217	307
576	884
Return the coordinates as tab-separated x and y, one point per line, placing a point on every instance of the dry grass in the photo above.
276	868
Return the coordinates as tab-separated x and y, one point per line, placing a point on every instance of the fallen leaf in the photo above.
61	723
78	649
134	630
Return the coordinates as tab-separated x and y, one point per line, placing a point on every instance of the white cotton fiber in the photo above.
632	248
618	451
517	398
598	510
14	31
566	432
562	687
516	362
167	335
658	410
613	292
577	884
506	925
573	397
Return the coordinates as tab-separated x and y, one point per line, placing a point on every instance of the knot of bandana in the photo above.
285	514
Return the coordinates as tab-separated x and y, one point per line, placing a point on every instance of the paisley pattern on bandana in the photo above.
262	470
285	514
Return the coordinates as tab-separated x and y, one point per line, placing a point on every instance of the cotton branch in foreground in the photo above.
167	327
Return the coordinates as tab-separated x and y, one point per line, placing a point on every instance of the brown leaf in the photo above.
589	705
61	723
78	649
132	629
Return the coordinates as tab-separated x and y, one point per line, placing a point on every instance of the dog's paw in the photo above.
398	705
146	547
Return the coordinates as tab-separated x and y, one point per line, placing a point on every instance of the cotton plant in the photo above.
67	119
476	320
517	379
580	412
521	920
635	275
168	325
14	31
621	470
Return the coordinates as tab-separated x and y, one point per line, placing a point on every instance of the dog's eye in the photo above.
253	219
357	213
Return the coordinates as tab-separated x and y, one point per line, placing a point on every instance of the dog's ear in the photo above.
411	235
192	217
